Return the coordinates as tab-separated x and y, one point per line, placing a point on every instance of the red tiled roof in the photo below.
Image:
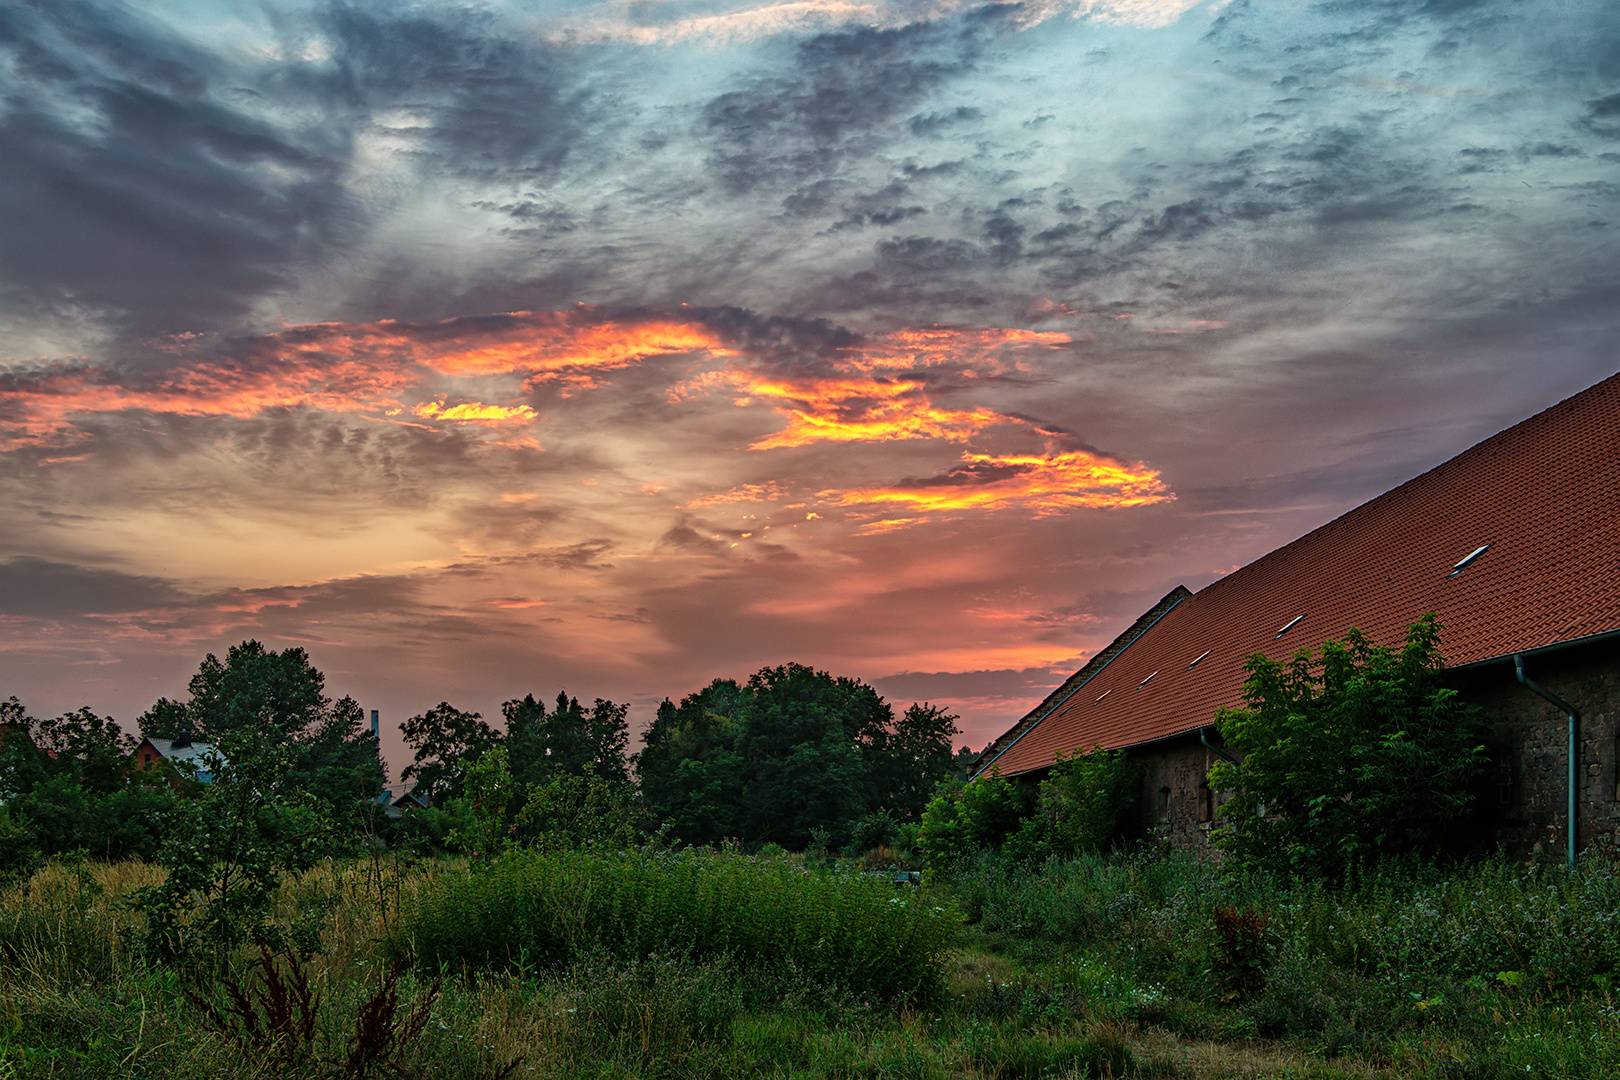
1544	494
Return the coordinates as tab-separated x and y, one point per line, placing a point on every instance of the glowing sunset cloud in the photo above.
861	410
38	407
521	342
474	412
977	350
1046	483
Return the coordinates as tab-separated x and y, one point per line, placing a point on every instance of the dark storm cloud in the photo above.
839	92
54	590
498	105
167	188
135	184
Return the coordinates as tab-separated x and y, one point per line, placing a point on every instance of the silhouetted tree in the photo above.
542	745
445	740
791	752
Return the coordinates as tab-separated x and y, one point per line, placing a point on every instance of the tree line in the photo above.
792	756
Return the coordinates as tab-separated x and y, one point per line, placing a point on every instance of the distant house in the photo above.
201	755
1515	544
401	797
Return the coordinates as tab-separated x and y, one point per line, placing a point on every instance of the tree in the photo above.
279	694
93	749
568	740
1358	754
689	771
226	850
22	763
791	753
445	740
800	734
907	758
279	697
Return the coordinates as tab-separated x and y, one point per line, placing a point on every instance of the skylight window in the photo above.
1295	621
1145	681
1104	694
1201	655
1462	563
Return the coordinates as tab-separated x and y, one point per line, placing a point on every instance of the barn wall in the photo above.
1529	738
1527	741
1177	805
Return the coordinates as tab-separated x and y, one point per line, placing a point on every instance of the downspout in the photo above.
1574	720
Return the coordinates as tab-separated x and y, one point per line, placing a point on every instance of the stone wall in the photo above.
1178	806
1528	740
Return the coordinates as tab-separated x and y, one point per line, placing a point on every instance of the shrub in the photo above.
226	851
964	818
1359	754
1088	802
548	908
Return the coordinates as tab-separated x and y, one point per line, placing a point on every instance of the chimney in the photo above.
374	734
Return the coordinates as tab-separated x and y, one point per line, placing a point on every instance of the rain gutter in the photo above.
1574	720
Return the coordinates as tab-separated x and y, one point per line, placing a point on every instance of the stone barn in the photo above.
1514	544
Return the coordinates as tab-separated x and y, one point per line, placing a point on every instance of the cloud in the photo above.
715	25
42	588
137	190
1045	483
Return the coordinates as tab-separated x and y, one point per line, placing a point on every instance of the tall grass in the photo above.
541	910
1477	970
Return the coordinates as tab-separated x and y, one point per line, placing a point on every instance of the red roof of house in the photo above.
1544	494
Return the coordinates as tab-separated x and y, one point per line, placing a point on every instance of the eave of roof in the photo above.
1545	494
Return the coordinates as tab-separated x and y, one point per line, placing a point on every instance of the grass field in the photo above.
660	964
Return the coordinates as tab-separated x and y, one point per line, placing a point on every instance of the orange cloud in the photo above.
1044	482
770	491
984	349
859	409
473	412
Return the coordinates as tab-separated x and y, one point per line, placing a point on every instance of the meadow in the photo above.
703	963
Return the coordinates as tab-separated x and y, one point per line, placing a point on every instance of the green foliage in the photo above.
1088	802
445	740
791	752
577	810
279	698
66	789
547	908
277	694
570	740
91	750
964	818
1356	755
226	850
906	759
482	833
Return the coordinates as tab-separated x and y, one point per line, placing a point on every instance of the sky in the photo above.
613	347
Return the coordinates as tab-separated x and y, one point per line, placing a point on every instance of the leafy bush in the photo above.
964	818
1359	754
226	851
547	908
1088	802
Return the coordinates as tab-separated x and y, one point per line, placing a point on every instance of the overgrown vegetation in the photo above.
1101	965
1353	756
844	933
545	918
